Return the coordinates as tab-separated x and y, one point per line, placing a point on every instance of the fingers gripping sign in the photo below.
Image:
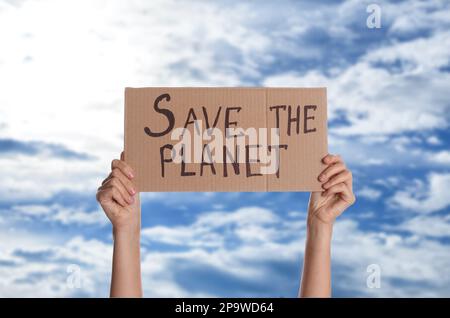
337	194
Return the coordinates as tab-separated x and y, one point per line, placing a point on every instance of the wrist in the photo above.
126	233
317	229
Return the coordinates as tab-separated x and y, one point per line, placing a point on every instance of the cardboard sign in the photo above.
203	139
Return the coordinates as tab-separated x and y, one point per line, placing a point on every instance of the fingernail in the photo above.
130	175
133	192
321	177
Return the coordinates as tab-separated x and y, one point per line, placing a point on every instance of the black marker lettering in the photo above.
163	160
306	118
277	113
166	112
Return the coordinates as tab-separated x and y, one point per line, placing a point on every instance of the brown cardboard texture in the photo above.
165	124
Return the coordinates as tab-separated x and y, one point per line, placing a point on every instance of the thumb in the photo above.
315	199
315	195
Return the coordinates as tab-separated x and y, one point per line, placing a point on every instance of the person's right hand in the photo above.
119	198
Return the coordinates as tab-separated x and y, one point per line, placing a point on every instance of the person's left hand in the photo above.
324	207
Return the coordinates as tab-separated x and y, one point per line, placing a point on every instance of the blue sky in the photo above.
63	67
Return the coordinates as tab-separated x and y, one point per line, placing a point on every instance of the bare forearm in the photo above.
316	277
323	208
126	268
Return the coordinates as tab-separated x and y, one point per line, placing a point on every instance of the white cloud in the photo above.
434	140
369	193
440	157
380	101
389	182
416	16
415	261
424	198
40	177
352	247
74	96
246	224
62	82
432	226
40	269
55	213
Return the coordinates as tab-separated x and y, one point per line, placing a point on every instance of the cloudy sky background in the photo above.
63	69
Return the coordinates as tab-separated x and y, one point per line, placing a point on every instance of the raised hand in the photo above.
119	198
338	194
